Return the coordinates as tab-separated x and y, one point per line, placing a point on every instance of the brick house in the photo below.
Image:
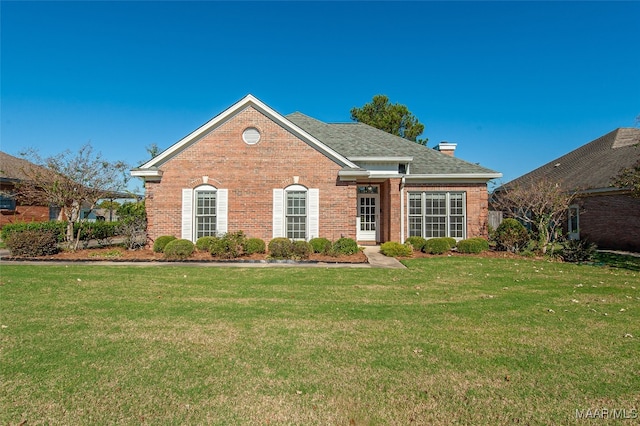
253	169
603	214
12	207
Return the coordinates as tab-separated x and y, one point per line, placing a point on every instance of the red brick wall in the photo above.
25	214
611	221
477	205
250	173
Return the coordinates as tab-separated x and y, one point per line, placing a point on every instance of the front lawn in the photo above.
450	340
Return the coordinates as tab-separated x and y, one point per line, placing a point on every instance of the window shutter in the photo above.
314	213
187	214
223	207
278	213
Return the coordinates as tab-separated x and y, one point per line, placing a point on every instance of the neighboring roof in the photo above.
355	140
592	166
12	171
12	168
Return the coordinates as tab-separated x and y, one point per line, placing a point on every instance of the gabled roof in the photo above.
592	166
247	101
347	144
358	140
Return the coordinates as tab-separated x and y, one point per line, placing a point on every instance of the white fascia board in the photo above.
382	159
245	102
352	174
146	173
453	177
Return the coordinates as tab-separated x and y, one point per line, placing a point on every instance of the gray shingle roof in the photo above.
361	140
593	165
12	168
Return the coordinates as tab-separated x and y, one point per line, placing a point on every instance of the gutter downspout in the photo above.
402	210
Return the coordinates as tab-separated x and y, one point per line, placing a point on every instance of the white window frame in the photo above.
422	214
189	229
280	211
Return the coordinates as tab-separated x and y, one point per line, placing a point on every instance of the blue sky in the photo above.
515	84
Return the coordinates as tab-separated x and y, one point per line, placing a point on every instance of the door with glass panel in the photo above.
368	213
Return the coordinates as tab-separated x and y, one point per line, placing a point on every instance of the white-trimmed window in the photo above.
296	212
204	212
437	214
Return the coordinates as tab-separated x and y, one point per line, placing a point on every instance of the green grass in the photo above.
450	340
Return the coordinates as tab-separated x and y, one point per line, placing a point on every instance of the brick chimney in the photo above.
447	148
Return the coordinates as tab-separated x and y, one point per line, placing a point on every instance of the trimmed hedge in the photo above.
345	246
204	243
254	245
395	249
229	246
320	245
98	230
280	248
437	246
179	249
32	243
473	245
302	249
161	242
55	226
416	242
452	241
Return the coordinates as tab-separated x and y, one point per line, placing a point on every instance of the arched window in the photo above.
296	212
204	212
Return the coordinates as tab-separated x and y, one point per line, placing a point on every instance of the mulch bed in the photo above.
120	254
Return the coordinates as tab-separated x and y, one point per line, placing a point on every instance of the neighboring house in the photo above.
252	169
12	209
602	213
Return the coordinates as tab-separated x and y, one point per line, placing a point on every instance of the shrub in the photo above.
320	245
302	249
178	249
344	246
473	245
101	231
416	242
57	227
161	242
437	246
205	243
395	249
133	224
451	241
511	236
229	246
280	248
578	251
254	245
32	243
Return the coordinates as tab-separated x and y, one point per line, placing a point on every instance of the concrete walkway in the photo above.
375	258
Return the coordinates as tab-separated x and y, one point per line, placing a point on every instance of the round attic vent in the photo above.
251	136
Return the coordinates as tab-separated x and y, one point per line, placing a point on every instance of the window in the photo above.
573	223
205	214
7	202
437	214
296	215
296	212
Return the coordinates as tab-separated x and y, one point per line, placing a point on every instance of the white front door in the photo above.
368	214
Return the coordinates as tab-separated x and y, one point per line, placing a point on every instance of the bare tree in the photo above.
543	204
72	181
